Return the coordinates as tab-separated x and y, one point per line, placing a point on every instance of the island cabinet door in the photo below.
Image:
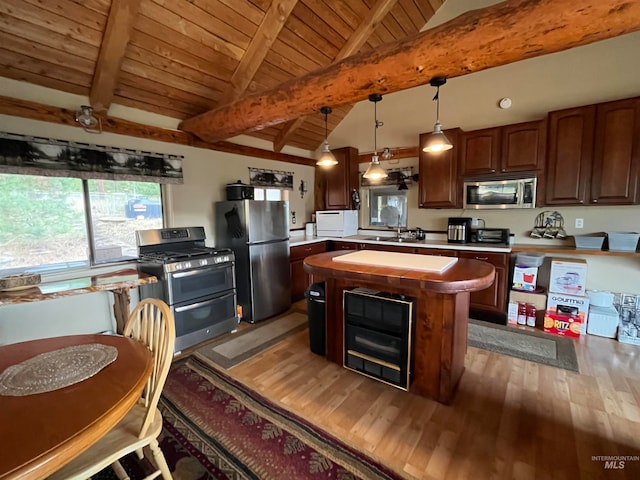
493	298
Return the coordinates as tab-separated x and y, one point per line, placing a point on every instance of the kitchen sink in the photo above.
393	239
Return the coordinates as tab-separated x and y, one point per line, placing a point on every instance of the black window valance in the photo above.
29	155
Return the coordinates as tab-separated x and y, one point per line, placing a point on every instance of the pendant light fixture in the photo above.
437	141
327	159
375	171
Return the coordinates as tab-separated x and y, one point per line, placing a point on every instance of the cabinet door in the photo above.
480	152
438	174
338	182
617	153
299	280
523	146
569	155
493	298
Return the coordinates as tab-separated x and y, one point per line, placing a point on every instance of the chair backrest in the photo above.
151	322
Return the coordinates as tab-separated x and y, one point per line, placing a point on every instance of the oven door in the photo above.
200	282
204	319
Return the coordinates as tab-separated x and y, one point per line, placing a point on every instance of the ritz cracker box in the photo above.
563	325
569	306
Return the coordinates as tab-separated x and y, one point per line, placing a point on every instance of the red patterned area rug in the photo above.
217	428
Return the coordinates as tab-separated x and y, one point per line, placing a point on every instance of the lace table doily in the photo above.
56	369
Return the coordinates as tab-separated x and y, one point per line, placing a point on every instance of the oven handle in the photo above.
201	304
198	271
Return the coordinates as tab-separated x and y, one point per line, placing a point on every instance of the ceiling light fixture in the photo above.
375	171
87	120
437	141
327	159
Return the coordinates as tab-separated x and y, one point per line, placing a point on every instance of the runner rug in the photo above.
217	428
529	345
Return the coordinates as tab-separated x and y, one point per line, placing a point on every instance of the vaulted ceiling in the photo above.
212	63
180	58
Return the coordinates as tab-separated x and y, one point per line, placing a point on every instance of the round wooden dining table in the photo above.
41	432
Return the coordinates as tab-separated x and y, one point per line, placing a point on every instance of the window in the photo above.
387	207
261	193
46	226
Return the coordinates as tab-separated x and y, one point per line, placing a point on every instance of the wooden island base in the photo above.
441	313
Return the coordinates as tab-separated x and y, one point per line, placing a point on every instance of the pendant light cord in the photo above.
436	97
326	129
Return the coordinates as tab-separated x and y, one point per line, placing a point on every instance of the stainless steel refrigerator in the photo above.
258	233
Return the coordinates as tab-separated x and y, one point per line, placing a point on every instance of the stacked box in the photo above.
567	305
628	307
574	306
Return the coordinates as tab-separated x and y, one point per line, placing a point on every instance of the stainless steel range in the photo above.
196	281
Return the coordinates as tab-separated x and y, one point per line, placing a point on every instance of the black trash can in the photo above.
315	313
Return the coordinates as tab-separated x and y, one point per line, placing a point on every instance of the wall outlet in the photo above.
579	222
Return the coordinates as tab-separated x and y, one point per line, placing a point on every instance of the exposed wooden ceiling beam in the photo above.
354	43
117	34
46	113
268	31
497	35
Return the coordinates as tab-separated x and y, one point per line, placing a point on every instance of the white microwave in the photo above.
499	194
337	223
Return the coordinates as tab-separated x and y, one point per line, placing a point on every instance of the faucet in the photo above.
399	227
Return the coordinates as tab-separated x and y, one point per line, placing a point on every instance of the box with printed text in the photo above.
563	304
568	275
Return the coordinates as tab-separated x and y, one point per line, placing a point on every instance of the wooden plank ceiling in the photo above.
181	58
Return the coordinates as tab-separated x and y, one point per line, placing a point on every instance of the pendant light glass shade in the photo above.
327	159
375	170
437	142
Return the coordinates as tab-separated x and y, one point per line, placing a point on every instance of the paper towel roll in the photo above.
310	229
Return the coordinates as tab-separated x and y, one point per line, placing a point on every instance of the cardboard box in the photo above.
563	304
525	278
628	307
538	300
563	325
568	275
603	321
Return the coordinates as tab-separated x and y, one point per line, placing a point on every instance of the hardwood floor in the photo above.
509	419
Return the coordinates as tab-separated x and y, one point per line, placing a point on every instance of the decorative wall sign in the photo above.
260	177
59	158
395	177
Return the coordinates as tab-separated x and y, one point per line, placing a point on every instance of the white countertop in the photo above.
303	239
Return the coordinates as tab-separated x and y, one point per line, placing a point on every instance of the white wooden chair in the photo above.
152	323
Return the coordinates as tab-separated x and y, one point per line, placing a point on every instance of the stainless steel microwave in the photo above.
498	194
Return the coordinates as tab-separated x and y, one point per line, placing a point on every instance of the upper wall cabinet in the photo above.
334	185
511	148
438	174
594	154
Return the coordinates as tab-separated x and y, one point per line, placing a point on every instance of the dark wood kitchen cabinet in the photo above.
338	245
480	152
439	252
334	185
386	248
594	154
438	185
300	280
511	148
490	303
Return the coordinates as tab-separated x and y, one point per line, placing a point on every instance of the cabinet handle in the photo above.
308	249
581	201
595	200
482	258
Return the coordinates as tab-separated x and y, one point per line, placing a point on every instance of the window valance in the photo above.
59	158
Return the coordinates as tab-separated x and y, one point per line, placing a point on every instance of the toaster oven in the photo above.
490	235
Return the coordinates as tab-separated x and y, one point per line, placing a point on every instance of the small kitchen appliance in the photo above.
490	235
197	282
459	230
239	191
337	223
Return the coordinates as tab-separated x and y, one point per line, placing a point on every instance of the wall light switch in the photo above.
579	222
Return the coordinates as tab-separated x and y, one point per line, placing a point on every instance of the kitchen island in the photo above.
439	332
